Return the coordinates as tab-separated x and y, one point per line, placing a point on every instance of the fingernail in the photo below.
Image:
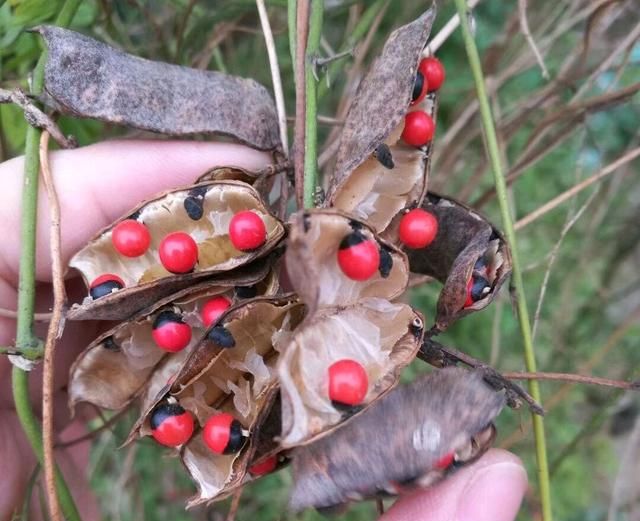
494	494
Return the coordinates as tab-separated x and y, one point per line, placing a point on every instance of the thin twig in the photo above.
558	200
92	434
38	317
235	504
379	506
35	117
275	75
524	27
55	328
444	33
301	29
523	313
574	378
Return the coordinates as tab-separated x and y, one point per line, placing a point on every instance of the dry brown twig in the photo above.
302	30
524	27
35	117
55	329
574	378
38	317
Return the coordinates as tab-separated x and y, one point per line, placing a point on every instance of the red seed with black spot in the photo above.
171	425
358	257
477	288
265	466
170	332
418	228
131	238
433	71
223	434
419	128
105	285
213	309
445	461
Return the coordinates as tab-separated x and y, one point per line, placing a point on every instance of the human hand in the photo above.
96	185
491	489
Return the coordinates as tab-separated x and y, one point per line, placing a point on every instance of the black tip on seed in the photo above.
222	337
306	222
199	191
194	208
163	411
416	327
355	225
135	215
110	344
417	86
353	239
246	291
480	264
479	288
346	410
236	438
386	262
166	317
104	289
384	156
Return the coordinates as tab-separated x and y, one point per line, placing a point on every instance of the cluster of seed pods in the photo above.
236	374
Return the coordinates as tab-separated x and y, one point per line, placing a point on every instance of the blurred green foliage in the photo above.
591	291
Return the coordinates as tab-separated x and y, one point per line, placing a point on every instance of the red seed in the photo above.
418	228
213	308
358	257
445	461
178	252
348	382
171	425
265	466
247	231
105	285
170	332
469	301
131	238
433	71
222	433
419	128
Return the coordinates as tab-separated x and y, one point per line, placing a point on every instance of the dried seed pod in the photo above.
447	411
378	174
466	248
87	78
173	215
382	337
312	262
118	365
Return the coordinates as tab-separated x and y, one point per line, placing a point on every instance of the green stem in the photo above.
359	31
311	123
523	313
26	342
31	428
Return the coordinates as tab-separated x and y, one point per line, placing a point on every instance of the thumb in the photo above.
491	489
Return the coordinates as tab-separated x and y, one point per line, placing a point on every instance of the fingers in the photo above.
101	182
489	490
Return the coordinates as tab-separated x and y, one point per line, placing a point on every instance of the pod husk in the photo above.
111	378
407	432
87	78
381	336
312	265
145	278
463	237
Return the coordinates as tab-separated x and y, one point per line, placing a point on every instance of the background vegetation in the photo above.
554	133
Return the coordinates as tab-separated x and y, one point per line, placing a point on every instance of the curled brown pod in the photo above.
468	255
445	414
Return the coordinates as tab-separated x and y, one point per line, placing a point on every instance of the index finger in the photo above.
99	183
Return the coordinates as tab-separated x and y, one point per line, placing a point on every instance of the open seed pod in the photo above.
87	78
415	435
119	364
468	255
201	216
377	173
317	239
377	337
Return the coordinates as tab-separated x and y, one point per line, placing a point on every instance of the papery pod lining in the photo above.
408	431
381	336
87	78
312	265
167	214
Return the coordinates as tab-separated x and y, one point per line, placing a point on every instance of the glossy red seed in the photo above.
418	228
348	382
433	71
170	333
173	431
213	308
131	238
469	301
247	231
418	129
445	461
265	466
178	252
107	277
217	432
358	260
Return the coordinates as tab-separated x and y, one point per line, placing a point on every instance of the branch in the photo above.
575	378
301	30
